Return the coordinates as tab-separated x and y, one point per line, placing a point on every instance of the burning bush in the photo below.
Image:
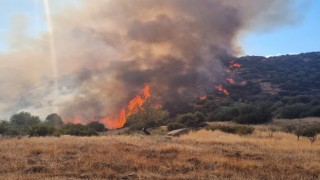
146	116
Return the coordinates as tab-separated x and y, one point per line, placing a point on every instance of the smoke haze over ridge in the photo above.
107	50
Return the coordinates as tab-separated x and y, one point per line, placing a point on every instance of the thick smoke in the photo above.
107	50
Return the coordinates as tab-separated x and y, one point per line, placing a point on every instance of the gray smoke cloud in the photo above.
107	50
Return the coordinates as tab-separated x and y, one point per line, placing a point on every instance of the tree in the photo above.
24	121
146	117
54	120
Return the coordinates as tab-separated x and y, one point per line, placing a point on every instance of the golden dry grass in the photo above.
198	155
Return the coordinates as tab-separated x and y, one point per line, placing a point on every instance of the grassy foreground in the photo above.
198	155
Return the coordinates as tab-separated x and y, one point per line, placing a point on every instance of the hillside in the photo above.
288	84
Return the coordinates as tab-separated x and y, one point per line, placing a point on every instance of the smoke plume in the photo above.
107	50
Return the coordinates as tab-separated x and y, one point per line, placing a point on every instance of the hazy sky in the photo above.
300	37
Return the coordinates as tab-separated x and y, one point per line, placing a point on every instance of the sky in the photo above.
291	39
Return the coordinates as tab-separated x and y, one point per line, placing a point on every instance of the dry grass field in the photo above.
198	155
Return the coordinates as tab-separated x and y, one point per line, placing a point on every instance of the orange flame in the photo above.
157	106
203	97
116	123
221	89
230	80
76	121
226	92
235	65
133	107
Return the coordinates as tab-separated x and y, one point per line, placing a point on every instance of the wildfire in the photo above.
133	107
222	89
137	103
117	122
76	121
230	80
157	106
235	65
203	97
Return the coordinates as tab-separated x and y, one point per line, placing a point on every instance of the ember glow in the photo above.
220	88
234	65
230	80
203	97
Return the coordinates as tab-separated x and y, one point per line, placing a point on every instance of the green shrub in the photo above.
175	125
4	126
295	111
289	128
191	120
97	126
315	112
41	130
224	114
240	130
77	130
12	131
146	118
250	114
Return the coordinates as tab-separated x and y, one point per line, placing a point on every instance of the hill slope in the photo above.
288	84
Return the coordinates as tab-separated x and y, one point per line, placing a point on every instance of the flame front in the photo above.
133	107
116	123
203	97
222	89
230	80
234	65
